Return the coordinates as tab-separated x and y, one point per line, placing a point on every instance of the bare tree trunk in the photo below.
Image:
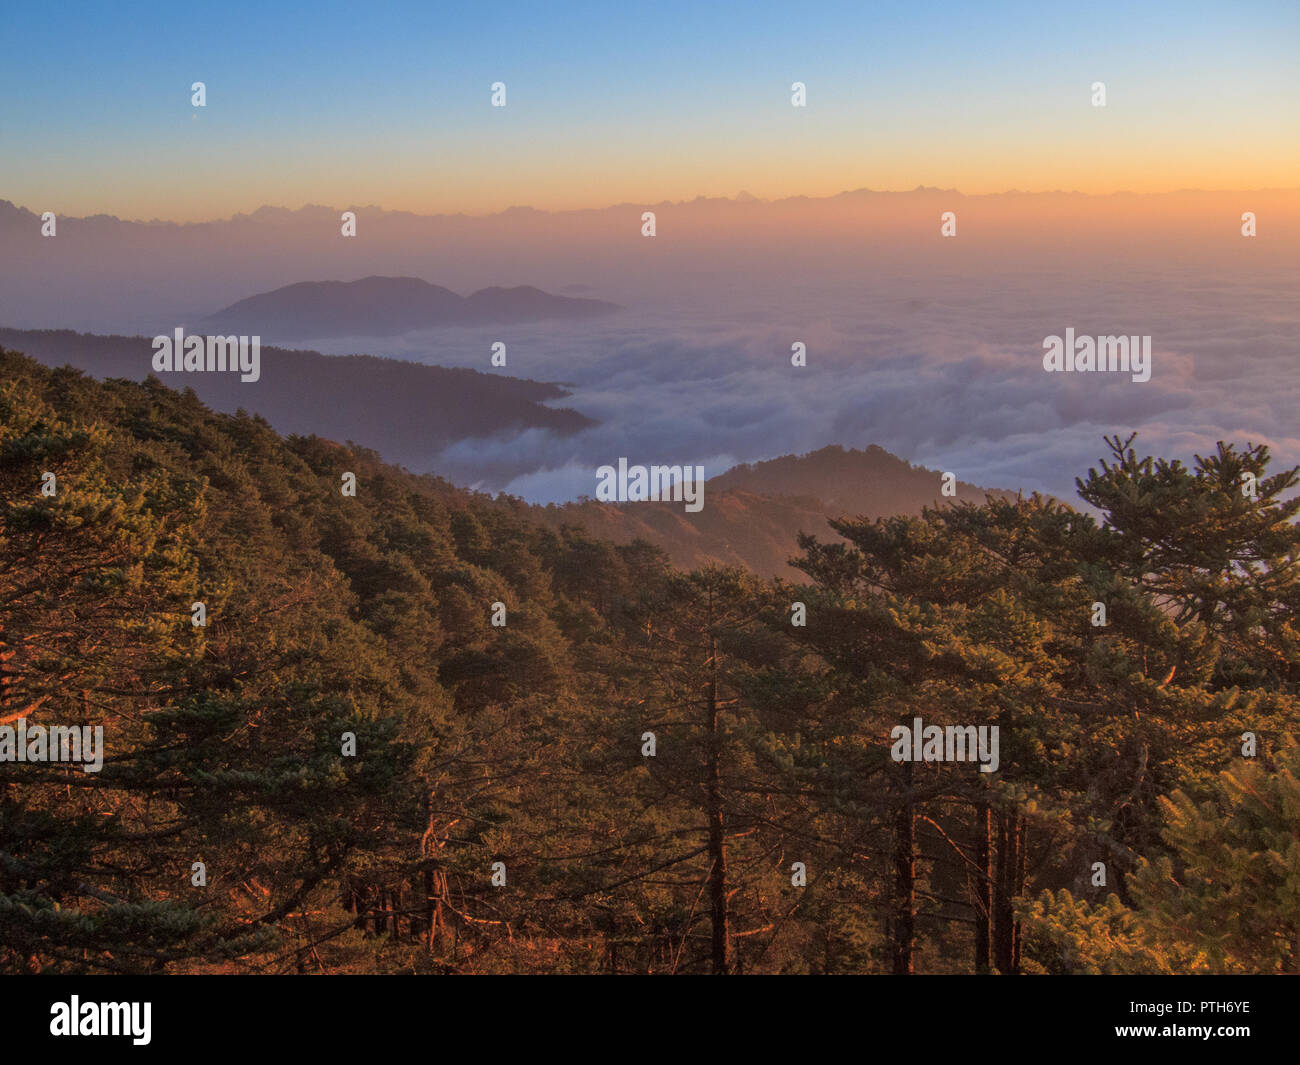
437	881
717	841
1002	900
1010	885
1018	892
904	923
983	887
358	895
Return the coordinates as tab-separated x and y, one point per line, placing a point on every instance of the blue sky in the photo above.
608	102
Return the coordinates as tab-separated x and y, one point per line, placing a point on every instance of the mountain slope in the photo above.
406	411
753	513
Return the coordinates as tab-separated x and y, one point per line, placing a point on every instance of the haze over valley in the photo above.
679	347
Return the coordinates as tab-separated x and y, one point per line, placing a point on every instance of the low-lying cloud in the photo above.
945	372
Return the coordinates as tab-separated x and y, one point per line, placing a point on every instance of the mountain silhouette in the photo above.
386	306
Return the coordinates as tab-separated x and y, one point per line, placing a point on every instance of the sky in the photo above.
928	347
389	104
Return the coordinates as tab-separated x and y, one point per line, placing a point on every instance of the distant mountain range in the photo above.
386	306
406	411
753	514
116	275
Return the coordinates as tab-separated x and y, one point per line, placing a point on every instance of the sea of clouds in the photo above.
944	371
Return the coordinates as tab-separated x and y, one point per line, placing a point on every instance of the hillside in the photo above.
407	412
404	410
410	729
754	513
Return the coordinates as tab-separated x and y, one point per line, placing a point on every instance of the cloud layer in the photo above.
945	371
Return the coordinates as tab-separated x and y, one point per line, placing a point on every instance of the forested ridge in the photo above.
406	410
755	513
641	770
